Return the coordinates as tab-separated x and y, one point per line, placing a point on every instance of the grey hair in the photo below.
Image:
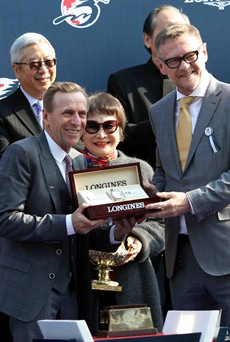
29	38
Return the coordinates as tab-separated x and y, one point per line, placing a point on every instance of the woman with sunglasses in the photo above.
104	130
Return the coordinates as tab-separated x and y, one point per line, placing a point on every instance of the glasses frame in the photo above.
99	125
32	65
183	58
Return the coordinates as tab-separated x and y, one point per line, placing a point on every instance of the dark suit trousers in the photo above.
193	289
57	306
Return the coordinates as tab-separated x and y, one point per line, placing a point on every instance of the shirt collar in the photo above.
57	152
31	99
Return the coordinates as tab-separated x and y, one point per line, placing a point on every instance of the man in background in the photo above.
33	60
140	86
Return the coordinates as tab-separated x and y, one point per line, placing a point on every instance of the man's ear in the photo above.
205	52
16	69
147	40
161	66
45	115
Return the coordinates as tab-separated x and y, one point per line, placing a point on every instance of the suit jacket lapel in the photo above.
53	177
208	108
24	112
172	145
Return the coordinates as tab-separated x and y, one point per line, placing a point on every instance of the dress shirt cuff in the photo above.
192	209
112	237
69	225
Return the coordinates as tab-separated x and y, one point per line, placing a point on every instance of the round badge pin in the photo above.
208	131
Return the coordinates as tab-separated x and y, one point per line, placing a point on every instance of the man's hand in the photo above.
124	226
81	224
171	204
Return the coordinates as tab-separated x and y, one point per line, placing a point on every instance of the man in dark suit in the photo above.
140	86
195	184
44	244
34	63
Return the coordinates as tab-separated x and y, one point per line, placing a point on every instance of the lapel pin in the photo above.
208	131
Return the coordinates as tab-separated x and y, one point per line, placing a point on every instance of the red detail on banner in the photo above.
68	3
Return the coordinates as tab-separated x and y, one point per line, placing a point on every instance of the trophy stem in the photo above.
103	273
104	276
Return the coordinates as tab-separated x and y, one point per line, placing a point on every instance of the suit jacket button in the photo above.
180	262
51	276
70	207
70	274
58	251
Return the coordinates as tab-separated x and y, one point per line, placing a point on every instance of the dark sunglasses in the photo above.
109	126
36	65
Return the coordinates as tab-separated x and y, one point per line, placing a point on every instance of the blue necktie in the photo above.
38	108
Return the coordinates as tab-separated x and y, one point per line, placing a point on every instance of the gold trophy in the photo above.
105	261
118	320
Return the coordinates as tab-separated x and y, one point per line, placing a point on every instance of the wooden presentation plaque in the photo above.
114	191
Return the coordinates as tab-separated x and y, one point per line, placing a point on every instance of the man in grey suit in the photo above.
33	60
195	198
44	243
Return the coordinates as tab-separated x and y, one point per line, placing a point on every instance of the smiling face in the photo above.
36	82
187	76
65	123
101	144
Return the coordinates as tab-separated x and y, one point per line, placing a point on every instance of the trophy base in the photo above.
106	285
126	320
151	331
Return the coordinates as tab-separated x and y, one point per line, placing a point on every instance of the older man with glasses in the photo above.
34	61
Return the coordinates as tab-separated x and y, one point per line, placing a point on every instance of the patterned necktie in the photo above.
184	129
68	168
38	108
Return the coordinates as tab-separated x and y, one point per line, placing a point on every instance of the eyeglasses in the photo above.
109	126
36	65
190	57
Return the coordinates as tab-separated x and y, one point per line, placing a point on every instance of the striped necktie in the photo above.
68	168
38	112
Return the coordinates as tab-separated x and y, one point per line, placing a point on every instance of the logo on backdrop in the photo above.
80	13
218	3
